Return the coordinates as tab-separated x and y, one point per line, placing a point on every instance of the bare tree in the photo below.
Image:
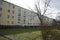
40	15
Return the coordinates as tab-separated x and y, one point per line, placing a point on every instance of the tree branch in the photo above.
46	6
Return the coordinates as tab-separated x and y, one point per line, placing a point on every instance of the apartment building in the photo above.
47	21
11	14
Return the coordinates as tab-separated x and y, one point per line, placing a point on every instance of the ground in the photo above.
22	33
28	34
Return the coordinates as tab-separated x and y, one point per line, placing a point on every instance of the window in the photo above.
24	20
1	3
18	22
24	16
0	15
8	5
24	12
8	10
7	21
13	6
28	23
13	12
19	14
18	19
8	16
0	9
12	22
12	16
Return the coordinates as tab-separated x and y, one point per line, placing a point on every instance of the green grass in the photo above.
21	33
1	38
28	33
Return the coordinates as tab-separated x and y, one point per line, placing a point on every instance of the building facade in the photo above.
47	21
11	14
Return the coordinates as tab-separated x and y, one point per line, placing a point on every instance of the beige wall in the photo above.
30	17
24	12
5	14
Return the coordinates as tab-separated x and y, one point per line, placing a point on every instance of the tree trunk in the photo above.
43	30
45	33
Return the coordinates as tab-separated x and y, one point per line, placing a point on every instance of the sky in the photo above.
54	4
23	3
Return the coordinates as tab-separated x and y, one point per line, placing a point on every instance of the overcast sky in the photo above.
55	7
56	3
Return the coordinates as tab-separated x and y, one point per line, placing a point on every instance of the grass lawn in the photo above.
22	33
